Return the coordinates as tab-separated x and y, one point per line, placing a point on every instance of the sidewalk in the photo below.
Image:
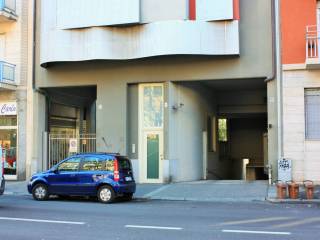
207	191
211	191
204	191
272	196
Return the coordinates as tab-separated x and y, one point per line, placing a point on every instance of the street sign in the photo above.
73	145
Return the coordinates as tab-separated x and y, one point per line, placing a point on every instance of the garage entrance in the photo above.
239	131
71	121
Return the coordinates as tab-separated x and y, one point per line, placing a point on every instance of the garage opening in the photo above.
71	121
237	131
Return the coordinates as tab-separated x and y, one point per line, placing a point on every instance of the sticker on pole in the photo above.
73	145
284	170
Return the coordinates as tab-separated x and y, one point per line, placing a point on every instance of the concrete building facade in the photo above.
301	87
185	88
14	74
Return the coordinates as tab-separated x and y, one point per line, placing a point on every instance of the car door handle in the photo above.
98	175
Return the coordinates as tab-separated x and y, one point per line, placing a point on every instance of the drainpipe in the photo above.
34	87
277	73
274	42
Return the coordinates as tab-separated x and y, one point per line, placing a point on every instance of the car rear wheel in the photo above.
106	194
40	192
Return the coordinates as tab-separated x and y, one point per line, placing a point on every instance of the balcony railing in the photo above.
312	42
7	73
8	6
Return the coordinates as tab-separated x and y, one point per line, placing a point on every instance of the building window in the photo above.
223	129
153	106
312	113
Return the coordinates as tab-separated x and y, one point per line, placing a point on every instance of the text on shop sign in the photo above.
8	108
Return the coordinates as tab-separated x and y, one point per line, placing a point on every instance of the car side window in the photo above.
93	164
110	165
70	165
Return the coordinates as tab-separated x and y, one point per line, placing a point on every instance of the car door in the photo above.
65	179
90	174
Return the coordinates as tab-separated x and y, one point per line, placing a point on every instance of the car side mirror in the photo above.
55	171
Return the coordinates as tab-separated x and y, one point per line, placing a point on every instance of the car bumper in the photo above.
125	188
2	186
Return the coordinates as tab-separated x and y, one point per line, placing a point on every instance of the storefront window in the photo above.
8	121
8	142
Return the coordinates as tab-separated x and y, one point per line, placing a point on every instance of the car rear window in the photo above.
124	163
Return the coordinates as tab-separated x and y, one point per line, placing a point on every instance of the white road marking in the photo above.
297	223
258	220
41	221
153	227
256	232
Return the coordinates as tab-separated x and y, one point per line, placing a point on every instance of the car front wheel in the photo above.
106	194
40	192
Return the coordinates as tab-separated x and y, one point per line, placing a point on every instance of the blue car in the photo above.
104	175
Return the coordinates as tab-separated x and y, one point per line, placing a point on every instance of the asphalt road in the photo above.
22	218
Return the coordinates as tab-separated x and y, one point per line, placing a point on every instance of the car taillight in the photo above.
116	171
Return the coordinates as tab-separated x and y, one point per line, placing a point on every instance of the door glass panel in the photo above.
93	164
8	141
153	106
70	165
153	156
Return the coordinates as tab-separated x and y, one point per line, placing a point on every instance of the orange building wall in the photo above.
295	16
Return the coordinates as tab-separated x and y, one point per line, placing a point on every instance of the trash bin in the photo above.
281	189
293	189
309	188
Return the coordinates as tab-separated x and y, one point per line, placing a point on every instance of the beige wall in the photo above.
112	77
18	51
304	153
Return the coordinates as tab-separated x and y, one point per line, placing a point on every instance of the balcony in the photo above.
7	76
8	10
312	47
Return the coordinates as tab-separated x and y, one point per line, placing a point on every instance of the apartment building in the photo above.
301	87
185	88
14	73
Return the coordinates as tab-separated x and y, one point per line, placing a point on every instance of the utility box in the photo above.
284	170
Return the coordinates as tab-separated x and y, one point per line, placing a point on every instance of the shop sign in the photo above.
9	108
73	145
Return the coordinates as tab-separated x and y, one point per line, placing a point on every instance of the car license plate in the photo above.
128	179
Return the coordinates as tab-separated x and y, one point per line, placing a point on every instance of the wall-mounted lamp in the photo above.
176	107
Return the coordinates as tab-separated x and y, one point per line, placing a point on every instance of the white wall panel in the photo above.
88	13
162	10
211	10
154	39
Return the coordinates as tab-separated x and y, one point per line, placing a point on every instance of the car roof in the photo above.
99	153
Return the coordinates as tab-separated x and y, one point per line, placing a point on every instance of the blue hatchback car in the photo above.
104	175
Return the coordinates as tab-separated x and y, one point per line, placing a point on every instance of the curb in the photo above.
293	201
226	200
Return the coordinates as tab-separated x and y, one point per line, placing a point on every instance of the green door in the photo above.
153	156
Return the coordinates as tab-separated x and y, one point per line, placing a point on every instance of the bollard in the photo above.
293	189
281	190
309	188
